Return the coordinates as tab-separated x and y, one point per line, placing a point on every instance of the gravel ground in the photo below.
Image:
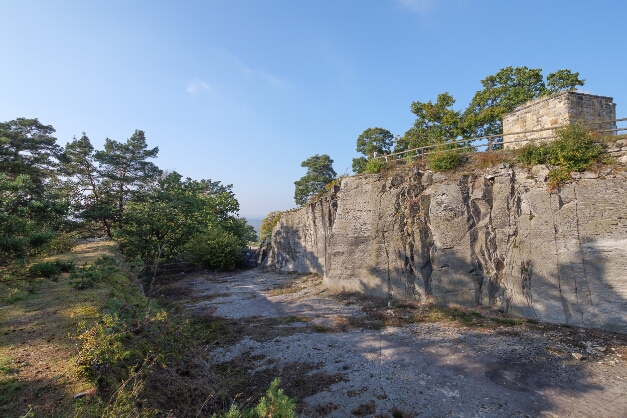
479	367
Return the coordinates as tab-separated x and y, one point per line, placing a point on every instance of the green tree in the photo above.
563	80
239	228
125	171
267	226
372	140
32	211
183	216
436	123
78	164
511	87
28	147
319	173
27	222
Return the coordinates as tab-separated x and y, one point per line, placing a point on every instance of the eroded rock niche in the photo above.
496	238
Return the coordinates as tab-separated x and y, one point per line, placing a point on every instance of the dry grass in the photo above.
297	284
36	350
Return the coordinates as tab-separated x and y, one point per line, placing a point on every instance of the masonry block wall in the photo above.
556	111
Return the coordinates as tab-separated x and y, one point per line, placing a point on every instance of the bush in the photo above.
215	249
274	405
444	159
575	149
50	269
267	226
61	244
374	166
86	277
532	154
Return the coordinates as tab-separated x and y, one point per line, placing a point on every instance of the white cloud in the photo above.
419	6
261	74
196	86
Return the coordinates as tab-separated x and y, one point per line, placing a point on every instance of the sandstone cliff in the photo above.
494	238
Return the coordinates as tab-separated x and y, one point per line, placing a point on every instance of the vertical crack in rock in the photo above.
385	246
477	247
565	308
583	261
426	245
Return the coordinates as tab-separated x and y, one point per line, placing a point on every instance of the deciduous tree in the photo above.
372	140
435	123
506	90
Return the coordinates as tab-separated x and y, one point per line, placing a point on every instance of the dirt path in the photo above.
347	355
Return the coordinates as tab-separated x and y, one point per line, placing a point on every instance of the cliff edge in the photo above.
495	237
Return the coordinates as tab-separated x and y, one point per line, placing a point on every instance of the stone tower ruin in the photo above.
541	115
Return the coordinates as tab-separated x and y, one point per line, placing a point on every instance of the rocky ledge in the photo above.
496	238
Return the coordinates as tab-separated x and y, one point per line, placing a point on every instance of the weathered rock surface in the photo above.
494	238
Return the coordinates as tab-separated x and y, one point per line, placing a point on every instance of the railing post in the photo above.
490	138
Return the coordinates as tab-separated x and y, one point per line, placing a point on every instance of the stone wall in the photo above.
551	112
495	237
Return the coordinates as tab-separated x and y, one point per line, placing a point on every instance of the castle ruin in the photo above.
543	115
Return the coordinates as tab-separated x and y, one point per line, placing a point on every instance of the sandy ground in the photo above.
437	368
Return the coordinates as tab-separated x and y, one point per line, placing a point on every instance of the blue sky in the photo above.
243	91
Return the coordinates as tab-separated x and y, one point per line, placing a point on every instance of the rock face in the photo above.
495	238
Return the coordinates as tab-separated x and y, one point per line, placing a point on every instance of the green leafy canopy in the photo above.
319	173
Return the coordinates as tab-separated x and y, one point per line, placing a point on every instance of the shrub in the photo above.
575	149
215	249
532	154
557	177
61	244
50	269
267	226
86	277
374	166
274	405
444	159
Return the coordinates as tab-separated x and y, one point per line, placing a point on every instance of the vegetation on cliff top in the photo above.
438	123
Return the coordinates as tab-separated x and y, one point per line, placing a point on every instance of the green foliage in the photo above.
215	249
125	170
533	154
374	166
558	176
85	277
268	224
28	148
435	123
160	224
575	149
27	222
239	228
445	158
563	80
62	243
88	191
359	165
506	90
319	172
274	405
375	140
50	269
